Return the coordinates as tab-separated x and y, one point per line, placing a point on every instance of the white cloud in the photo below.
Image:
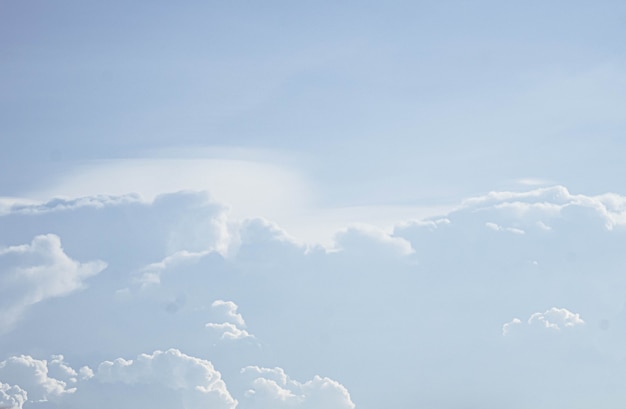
198	383
226	330
227	311
32	376
12	397
506	328
370	240
402	299
495	227
556	318
552	319
229	323
273	389
32	273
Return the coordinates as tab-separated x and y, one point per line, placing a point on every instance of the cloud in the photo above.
227	311
32	273
552	319
431	294
194	379
556	318
369	240
229	323
32	375
12	397
272	388
147	231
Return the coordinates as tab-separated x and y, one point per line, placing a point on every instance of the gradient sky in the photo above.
312	205
414	100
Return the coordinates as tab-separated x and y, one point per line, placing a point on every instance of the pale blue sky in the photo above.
423	100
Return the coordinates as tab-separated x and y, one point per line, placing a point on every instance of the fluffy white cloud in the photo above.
227	311
12	397
34	272
229	324
556	318
199	384
273	389
404	299
553	319
226	330
32	375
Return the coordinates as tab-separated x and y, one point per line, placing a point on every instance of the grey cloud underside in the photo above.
422	307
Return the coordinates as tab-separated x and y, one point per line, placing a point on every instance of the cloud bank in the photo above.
420	310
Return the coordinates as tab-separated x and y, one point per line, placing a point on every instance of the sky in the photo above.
312	205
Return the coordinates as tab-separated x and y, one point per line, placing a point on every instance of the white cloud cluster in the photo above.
34	272
199	384
553	318
32	376
12	397
556	318
401	298
273	389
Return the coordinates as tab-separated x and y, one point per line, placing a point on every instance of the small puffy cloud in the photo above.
34	272
506	328
227	312
12	397
273	389
229	324
32	375
553	319
556	318
195	379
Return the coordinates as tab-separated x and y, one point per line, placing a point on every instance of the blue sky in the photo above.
312	204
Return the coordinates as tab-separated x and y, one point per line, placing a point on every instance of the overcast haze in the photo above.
312	204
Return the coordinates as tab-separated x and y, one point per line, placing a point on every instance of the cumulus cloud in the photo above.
12	397
229	324
227	311
556	318
32	375
146	230
32	273
431	294
195	379
552	319
271	388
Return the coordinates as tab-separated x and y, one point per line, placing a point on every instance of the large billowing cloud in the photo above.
34	272
197	382
418	310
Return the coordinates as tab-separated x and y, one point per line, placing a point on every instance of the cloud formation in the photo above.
431	294
32	273
199	384
552	319
272	388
